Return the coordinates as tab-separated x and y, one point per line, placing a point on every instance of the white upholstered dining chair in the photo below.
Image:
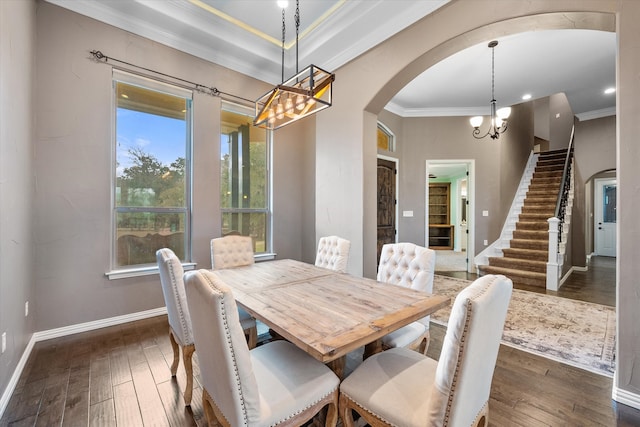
275	384
411	266
333	253
400	387
231	251
234	250
180	334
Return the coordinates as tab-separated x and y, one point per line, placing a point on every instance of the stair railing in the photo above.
556	223
565	185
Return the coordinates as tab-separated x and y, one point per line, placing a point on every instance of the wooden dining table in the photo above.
326	314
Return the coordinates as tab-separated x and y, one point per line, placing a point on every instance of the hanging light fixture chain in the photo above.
297	20
283	37
493	72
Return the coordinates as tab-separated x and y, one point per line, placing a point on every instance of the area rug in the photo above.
577	333
451	261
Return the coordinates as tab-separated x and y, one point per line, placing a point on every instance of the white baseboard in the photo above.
98	324
64	331
4	400
625	397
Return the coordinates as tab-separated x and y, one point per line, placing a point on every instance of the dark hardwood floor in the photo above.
120	376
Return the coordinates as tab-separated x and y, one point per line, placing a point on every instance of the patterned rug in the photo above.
577	333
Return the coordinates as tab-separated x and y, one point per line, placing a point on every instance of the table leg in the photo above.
372	348
337	366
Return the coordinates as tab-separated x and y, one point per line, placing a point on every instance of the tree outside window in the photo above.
244	183
151	197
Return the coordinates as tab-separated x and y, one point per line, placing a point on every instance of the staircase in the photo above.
525	261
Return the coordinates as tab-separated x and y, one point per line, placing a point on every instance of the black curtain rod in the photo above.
213	91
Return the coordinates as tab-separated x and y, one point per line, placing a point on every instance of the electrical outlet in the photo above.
4	341
26	309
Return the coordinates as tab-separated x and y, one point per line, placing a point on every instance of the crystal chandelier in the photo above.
498	116
308	92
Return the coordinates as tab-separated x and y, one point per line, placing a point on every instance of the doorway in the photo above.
458	176
387	202
604	226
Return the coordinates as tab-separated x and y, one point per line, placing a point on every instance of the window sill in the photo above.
147	271
264	257
142	271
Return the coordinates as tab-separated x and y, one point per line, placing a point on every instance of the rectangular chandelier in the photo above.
304	94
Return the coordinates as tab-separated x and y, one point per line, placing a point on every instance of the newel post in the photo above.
552	263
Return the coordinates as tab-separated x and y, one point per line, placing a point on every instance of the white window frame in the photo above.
268	254
151	84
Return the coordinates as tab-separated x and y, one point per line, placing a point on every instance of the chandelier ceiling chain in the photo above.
306	93
283	40
497	117
297	21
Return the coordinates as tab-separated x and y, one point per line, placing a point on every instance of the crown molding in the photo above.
435	112
596	114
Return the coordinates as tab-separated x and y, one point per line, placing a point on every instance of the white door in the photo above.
605	217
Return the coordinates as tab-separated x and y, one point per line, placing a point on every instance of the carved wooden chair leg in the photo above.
345	412
332	413
187	355
424	344
176	353
209	413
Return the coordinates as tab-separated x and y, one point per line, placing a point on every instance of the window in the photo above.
151	197
386	139
244	180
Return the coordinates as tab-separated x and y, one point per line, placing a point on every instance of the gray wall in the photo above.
560	121
595	151
72	148
366	84
17	250
70	224
498	167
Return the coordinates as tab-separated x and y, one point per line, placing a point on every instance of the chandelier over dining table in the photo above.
306	93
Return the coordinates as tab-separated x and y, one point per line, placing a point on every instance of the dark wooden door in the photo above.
386	203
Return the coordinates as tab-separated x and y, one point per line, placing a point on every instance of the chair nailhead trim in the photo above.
233	355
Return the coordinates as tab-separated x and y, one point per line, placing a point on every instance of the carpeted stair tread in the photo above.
517	276
531	235
531	216
525	262
538	182
541	198
548	212
539	245
532	254
544	187
554	173
540	203
532	225
547	167
519	264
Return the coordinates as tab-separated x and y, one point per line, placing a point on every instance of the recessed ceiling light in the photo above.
610	90
526	96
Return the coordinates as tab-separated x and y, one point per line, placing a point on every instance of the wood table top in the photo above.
326	314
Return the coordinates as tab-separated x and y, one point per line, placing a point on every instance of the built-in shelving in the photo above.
440	228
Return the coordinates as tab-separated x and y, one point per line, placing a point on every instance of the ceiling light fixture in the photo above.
610	90
498	117
526	97
306	93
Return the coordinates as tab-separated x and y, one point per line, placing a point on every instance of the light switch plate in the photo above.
407	213
485	213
